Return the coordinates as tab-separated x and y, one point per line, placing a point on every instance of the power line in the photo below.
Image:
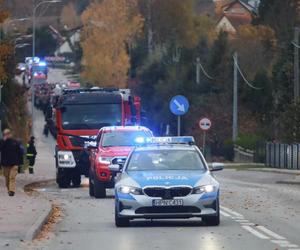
244	78
204	71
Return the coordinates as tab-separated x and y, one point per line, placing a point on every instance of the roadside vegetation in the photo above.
163	63
14	97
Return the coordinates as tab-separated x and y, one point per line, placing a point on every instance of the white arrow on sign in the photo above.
180	107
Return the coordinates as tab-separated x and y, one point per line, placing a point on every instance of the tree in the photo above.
44	37
69	16
110	29
290	121
255	44
5	48
281	16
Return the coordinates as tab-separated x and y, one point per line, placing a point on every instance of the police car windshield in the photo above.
165	160
123	138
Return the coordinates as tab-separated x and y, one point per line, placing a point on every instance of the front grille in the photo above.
119	160
167	193
167	210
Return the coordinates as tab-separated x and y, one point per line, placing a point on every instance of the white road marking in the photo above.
255	233
248	224
242	221
225	214
284	243
228	210
293	245
270	233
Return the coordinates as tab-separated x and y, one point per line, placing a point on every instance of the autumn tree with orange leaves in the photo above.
5	49
110	29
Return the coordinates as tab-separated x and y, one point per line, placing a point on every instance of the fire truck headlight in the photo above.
65	159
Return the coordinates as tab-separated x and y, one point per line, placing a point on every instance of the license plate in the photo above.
167	203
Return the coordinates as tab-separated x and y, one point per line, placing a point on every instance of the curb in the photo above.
274	171
289	182
37	226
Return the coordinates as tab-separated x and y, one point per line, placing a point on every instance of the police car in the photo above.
166	177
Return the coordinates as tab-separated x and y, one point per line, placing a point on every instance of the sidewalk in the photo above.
295	180
22	215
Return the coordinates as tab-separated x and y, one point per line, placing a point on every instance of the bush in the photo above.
248	141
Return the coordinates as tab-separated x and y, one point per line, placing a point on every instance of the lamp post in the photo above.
34	21
33	53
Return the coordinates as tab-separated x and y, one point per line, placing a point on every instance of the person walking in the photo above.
31	154
10	160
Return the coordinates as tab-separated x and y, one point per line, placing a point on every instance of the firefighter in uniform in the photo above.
31	154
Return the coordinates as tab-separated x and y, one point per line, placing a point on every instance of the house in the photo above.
69	43
234	15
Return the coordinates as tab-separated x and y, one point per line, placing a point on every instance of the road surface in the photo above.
256	213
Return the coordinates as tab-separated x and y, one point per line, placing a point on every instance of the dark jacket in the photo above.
11	153
31	150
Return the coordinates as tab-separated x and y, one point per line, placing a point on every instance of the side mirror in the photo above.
114	168
216	166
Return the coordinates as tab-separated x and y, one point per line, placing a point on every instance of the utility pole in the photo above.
198	73
235	99
296	64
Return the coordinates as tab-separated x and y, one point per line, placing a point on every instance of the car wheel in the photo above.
63	182
99	189
213	220
76	179
119	221
91	187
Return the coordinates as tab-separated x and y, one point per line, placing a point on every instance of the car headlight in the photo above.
105	160
204	189
130	190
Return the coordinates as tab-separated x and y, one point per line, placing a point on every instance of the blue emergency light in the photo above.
165	140
42	64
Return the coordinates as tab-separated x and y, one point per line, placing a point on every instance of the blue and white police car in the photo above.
167	177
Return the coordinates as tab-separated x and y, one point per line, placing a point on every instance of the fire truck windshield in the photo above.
91	116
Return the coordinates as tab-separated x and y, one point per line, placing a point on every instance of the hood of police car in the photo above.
170	178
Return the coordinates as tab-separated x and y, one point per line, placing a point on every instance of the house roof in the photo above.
248	7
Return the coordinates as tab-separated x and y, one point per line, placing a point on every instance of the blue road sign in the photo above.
179	105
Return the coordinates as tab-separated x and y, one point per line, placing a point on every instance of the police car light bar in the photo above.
166	140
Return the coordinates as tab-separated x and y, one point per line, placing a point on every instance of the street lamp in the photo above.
34	24
33	53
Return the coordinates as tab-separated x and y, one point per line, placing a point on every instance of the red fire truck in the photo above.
79	115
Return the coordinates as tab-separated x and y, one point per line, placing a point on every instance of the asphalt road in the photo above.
257	213
253	217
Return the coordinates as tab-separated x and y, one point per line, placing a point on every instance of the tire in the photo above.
63	181
119	221
76	179
213	220
91	187
99	189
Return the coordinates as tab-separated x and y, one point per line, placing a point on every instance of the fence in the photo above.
242	155
280	155
258	155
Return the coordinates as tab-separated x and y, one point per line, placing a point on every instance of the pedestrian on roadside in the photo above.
46	130
31	154
10	160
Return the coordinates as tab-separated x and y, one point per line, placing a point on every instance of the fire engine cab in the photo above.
79	114
113	145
